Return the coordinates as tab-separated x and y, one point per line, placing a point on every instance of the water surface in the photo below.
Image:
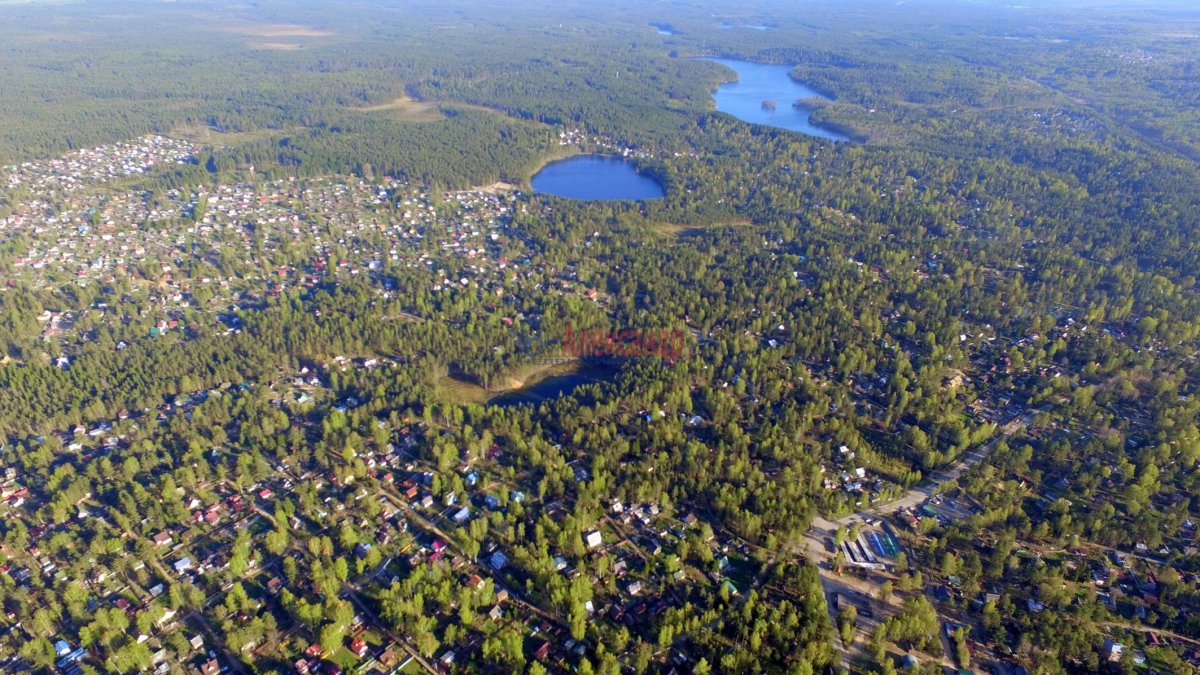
766	94
596	177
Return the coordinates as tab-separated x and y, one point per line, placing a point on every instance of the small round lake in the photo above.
766	94
596	177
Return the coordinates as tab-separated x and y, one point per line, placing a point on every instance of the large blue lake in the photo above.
596	177
765	94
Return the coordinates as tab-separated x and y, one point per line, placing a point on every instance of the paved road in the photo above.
822	528
919	493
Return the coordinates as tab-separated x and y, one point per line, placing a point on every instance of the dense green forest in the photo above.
237	387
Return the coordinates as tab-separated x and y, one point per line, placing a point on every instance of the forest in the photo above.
254	428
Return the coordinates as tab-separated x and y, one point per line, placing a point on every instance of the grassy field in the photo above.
206	135
677	230
525	377
407	108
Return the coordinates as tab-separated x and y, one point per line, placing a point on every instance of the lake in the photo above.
596	177
764	94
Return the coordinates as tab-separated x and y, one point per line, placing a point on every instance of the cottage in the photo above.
358	647
593	539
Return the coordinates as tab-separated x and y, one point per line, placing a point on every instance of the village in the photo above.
409	524
156	263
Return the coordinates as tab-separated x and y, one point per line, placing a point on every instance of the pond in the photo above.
596	177
766	94
552	387
752	26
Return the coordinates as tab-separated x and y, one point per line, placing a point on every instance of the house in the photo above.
1113	651
463	514
496	613
358	647
162	539
210	667
634	588
301	666
475	582
197	642
274	586
183	565
498	561
593	539
542	652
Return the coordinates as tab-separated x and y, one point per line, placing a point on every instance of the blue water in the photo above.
751	26
758	82
596	177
